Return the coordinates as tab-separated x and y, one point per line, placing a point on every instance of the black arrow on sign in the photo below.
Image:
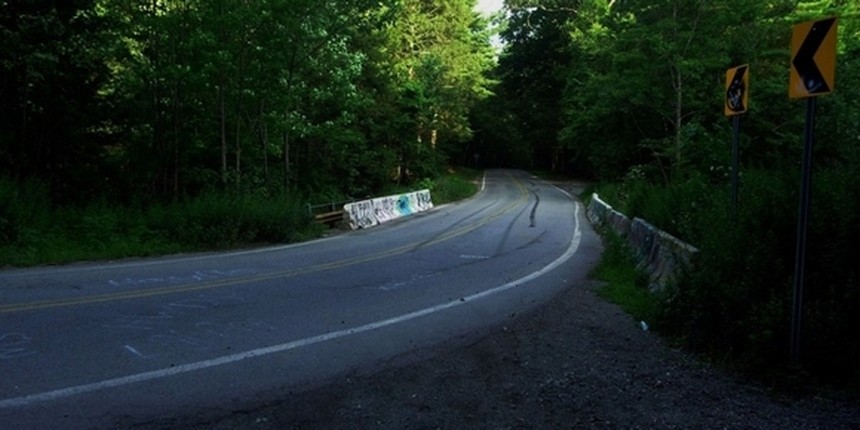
804	61
735	93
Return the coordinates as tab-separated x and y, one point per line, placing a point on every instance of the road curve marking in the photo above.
241	356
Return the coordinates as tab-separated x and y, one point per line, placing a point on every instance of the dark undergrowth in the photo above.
735	304
35	232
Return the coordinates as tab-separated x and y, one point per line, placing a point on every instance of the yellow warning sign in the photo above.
737	90
813	58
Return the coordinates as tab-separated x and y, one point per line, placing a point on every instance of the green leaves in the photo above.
633	91
170	98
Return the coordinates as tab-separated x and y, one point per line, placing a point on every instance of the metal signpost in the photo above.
737	102
813	66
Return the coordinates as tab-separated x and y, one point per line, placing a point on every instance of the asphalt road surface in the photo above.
93	345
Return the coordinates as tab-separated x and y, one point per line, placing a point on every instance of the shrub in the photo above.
452	186
23	206
736	303
218	220
625	285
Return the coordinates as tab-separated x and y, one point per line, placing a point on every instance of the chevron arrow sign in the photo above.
813	58
737	90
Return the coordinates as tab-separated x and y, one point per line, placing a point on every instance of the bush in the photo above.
625	285
677	209
217	220
456	185
736	303
32	233
23	207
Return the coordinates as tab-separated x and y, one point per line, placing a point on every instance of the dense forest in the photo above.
630	93
134	127
141	127
162	98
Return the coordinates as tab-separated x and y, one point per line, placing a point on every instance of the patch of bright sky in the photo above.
489	6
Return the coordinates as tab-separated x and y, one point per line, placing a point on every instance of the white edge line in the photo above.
227	359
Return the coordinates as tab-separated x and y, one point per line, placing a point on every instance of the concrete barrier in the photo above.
602	214
661	255
369	213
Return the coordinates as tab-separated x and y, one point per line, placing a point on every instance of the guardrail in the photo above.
329	213
661	255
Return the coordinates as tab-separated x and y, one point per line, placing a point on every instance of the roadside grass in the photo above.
733	309
33	232
456	184
625	285
102	231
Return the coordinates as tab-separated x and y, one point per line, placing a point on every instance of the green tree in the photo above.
532	76
50	76
220	89
440	54
656	68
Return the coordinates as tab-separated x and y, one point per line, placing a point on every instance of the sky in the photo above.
489	6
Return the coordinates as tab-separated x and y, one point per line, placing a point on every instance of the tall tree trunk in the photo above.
174	165
679	117
21	150
176	171
222	114
287	161
238	153
221	106
156	136
264	142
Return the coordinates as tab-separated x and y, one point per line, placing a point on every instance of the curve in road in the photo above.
94	344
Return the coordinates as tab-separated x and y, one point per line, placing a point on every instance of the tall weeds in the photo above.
735	303
32	232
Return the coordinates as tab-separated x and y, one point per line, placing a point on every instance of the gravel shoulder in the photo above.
576	362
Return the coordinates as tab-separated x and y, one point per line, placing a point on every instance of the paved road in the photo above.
97	345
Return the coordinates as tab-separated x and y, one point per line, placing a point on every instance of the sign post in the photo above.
813	66
737	102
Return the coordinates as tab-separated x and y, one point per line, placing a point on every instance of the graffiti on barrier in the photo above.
384	209
368	213
403	205
421	201
361	214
